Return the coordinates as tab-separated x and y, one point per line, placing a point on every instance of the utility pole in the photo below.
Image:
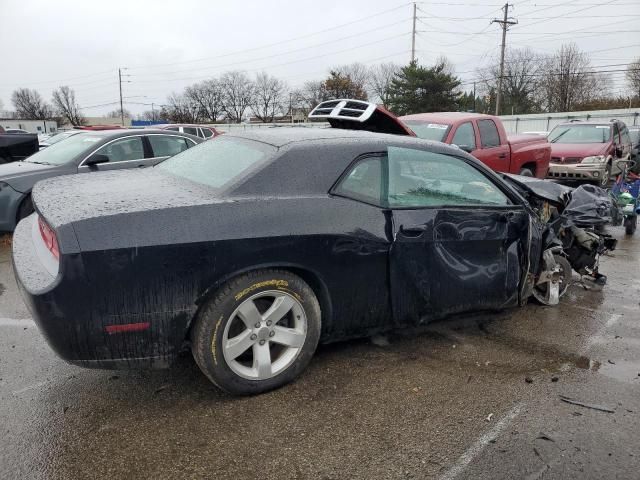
120	75
474	97
506	22
413	35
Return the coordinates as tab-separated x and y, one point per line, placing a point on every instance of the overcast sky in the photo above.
167	45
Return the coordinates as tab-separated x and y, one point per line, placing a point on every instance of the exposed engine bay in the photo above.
574	237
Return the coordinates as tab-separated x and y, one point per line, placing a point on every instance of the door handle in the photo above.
412	230
502	155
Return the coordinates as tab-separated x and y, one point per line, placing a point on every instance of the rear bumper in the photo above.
577	171
68	314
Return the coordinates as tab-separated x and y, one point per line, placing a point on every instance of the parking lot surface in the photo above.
479	396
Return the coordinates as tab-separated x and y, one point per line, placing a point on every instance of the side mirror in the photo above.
95	159
466	148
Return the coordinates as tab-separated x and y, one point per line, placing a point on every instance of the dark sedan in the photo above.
253	247
83	153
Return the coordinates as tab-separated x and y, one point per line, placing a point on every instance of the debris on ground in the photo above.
544	436
161	388
555	378
528	379
489	417
611	362
592	406
380	340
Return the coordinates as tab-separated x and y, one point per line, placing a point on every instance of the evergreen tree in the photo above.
417	89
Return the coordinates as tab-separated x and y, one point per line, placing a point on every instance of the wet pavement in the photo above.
477	397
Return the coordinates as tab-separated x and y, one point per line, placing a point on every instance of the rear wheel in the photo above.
526	172
258	332
25	209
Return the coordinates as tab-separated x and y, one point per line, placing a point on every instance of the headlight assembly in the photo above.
594	159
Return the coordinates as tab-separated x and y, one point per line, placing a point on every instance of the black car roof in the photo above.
280	136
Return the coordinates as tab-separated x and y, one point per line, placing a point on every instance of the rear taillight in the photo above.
49	238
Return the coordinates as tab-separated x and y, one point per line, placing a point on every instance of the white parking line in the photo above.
480	444
613	319
16	322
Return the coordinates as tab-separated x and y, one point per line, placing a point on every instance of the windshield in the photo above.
427	130
218	162
63	152
580	134
59	136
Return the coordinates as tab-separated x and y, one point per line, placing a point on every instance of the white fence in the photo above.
538	122
544	122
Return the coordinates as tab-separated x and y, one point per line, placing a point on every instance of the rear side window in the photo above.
168	145
207	133
219	162
488	133
191	131
363	182
465	136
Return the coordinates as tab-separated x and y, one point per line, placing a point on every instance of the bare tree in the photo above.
180	109
29	104
310	95
268	98
521	81
152	115
633	77
380	77
208	96
119	114
357	73
570	81
238	90
64	101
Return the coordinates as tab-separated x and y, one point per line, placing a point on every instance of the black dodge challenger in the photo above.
253	247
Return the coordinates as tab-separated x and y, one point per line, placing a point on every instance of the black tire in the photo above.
526	172
208	332
25	209
630	224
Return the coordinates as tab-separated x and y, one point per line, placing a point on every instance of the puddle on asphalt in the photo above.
622	370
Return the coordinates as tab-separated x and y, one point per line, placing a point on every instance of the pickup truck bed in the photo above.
17	146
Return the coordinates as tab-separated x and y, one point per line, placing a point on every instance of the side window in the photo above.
489	136
363	182
168	145
191	131
465	136
207	133
419	178
124	149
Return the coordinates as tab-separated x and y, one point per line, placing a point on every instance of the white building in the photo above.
31	126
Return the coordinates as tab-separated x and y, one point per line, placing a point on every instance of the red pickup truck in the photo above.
484	137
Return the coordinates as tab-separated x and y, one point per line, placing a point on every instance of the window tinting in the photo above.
465	136
425	179
168	145
363	182
124	149
489	136
219	162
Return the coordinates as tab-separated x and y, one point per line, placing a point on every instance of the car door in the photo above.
491	152
165	146
122	152
464	137
460	242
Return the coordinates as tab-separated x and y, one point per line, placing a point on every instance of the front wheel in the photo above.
258	332
526	172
